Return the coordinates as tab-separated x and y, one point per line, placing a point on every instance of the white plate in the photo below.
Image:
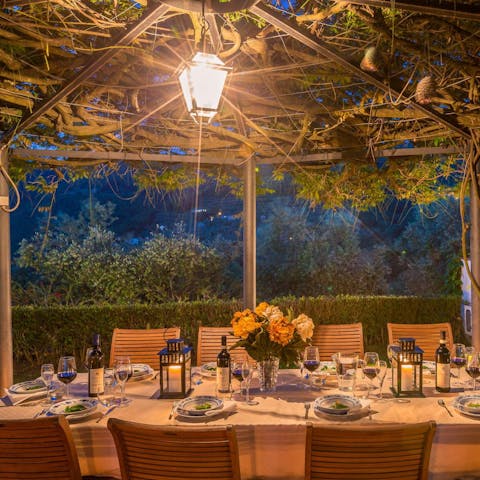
461	404
31	386
193	406
327	367
327	404
209	369
60	408
428	366
141	371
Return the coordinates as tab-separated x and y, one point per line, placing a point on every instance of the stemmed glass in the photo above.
458	359
473	366
67	372
382	373
237	375
311	361
247	374
371	368
47	371
123	371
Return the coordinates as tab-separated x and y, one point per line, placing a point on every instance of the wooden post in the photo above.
475	262
249	235
6	350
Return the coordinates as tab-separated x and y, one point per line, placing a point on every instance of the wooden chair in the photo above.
365	452
210	343
148	452
142	346
426	335
344	338
40	449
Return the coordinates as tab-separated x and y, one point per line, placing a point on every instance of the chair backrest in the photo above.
142	346
40	449
172	452
210	343
426	335
364	452
344	338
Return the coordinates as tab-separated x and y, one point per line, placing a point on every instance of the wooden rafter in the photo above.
279	21
151	15
442	9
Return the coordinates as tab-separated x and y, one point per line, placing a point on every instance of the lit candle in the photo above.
407	377
174	378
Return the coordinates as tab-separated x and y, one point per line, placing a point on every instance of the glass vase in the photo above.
268	373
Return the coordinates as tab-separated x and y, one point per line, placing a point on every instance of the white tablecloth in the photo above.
272	434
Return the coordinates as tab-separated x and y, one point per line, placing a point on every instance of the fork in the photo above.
41	412
307	408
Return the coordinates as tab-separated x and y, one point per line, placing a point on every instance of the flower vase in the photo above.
267	374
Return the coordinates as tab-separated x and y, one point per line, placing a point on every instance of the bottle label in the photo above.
223	379
443	375
95	381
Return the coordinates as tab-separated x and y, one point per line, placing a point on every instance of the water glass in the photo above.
346	368
47	371
108	397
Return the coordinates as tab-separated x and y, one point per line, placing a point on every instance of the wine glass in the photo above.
370	368
123	371
247	374
67	372
311	361
382	373
458	359
47	371
473	366
237	375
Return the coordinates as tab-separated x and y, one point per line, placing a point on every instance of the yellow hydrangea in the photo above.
281	331
244	323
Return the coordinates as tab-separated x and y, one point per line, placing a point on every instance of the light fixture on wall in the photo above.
202	80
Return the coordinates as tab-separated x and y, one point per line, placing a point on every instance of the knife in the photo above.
106	413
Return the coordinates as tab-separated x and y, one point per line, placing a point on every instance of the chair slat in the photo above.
37	449
209	344
344	338
148	452
380	452
426	335
141	345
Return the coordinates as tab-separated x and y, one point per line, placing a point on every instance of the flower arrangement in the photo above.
267	333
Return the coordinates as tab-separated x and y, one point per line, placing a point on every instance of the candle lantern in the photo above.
407	361
175	369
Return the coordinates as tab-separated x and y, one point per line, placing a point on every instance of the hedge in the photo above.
42	334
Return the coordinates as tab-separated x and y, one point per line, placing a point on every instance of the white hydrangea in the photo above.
304	326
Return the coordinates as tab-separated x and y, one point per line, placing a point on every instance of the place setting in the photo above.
202	408
338	407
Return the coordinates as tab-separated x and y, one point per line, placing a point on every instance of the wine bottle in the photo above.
223	368
442	365
95	365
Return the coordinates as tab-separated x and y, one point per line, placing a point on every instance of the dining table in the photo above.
271	432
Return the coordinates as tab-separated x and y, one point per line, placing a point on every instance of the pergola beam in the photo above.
150	16
278	20
441	9
61	155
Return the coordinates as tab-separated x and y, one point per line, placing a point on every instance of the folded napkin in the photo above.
19	398
228	407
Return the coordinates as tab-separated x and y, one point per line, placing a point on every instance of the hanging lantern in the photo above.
175	369
371	61
426	90
202	82
407	361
